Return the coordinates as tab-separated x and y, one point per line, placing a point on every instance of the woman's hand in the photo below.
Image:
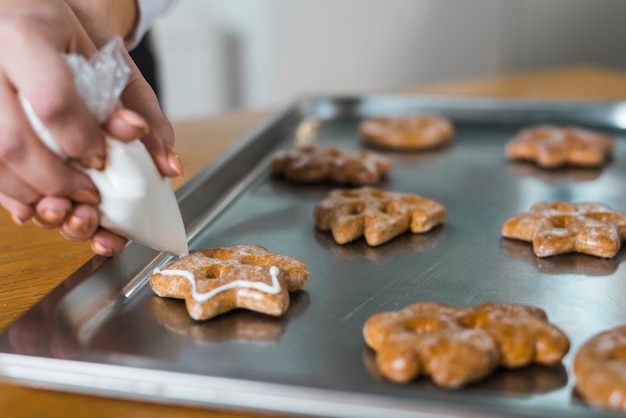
34	182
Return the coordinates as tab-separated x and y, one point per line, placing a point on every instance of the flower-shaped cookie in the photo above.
459	345
560	227
310	164
600	369
554	146
411	132
376	214
216	280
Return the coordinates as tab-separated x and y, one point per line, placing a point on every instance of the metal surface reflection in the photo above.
238	325
526	381
572	263
400	245
554	176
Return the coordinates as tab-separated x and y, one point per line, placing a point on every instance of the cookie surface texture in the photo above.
455	346
559	227
600	369
376	214
216	280
313	164
412	132
555	146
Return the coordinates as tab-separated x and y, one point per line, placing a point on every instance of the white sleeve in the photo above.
148	11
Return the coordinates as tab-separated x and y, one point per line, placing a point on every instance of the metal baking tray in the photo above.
103	331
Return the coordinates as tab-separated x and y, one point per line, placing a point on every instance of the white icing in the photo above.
273	289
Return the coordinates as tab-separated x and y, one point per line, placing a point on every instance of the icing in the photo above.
273	289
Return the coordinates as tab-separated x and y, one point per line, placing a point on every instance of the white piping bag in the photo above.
137	202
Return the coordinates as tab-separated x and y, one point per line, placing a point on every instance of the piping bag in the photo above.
136	201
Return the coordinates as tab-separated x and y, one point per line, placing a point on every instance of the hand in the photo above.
104	19
33	180
35	33
80	222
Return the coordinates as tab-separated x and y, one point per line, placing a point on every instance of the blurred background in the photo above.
213	56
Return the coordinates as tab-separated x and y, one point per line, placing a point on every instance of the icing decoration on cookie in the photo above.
201	297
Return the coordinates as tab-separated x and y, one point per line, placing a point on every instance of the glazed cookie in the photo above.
459	345
600	369
311	163
560	227
555	146
216	280
407	132
376	214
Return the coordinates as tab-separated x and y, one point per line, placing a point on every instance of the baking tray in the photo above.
104	332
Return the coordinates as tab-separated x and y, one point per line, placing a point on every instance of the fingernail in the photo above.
91	197
18	221
133	119
175	163
53	216
95	161
78	224
101	249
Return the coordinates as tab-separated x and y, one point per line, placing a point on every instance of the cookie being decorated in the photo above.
216	280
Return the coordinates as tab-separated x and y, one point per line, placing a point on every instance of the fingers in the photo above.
140	97
105	242
52	93
51	212
20	212
126	125
80	224
31	161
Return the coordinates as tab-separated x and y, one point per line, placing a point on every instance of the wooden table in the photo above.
33	261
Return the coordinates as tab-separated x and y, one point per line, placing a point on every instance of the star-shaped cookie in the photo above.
556	146
560	227
216	280
376	214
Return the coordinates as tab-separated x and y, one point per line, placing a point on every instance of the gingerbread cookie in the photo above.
376	214
600	369
310	163
559	227
216	280
407	132
554	146
459	345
